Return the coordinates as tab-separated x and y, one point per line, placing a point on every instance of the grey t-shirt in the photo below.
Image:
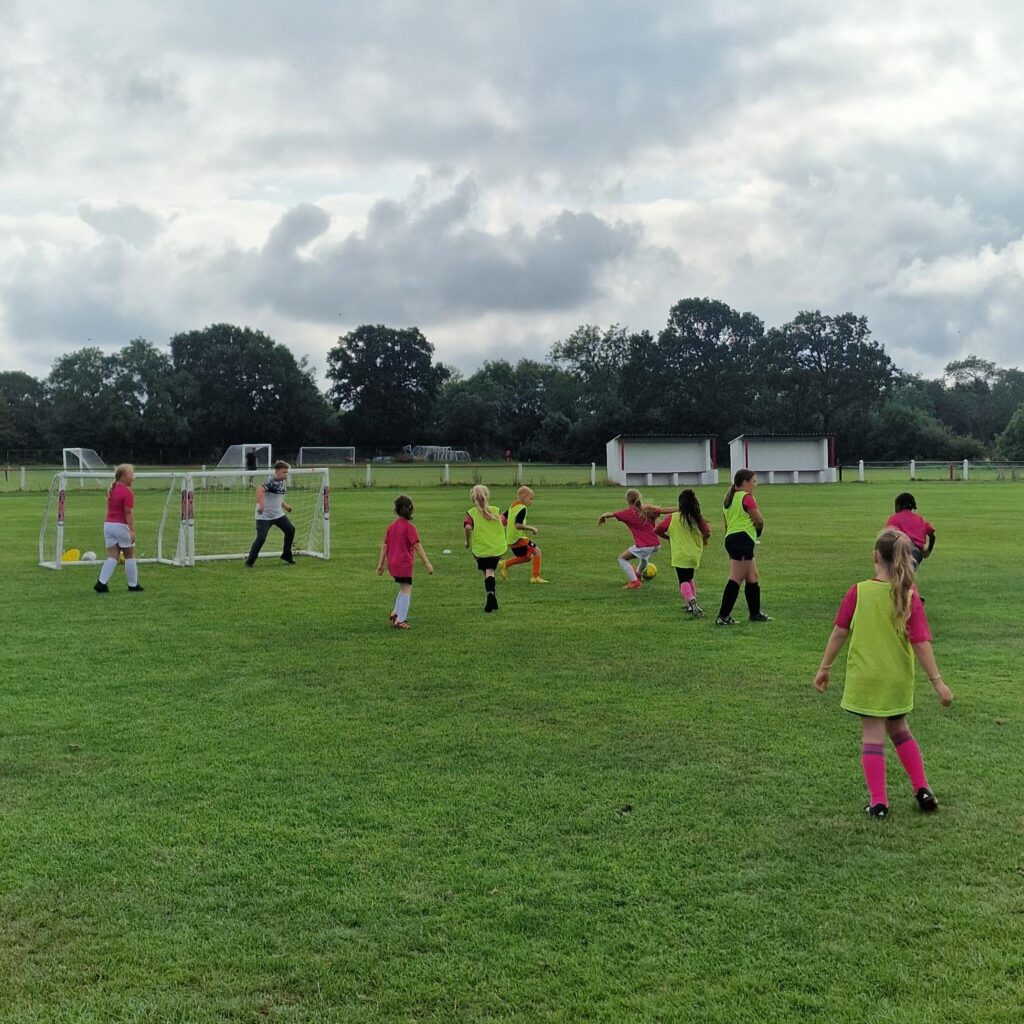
273	497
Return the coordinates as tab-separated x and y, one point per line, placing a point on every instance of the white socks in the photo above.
107	570
402	606
627	569
131	571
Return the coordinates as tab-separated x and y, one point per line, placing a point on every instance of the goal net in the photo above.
81	458
182	518
435	453
235	456
221	514
326	456
71	532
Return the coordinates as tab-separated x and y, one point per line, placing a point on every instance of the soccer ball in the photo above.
89	556
650	572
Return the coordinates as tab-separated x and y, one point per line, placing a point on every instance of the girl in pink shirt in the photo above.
640	520
119	531
906	519
401	542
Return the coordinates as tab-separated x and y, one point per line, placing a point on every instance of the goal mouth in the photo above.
181	518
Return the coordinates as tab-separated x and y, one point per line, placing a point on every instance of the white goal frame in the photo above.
259	447
304	459
179	515
85	459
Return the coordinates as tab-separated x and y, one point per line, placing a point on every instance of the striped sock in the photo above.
909	754
872	759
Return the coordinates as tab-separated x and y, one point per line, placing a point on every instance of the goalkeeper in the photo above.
271	510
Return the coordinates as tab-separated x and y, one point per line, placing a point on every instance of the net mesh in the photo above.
326	456
234	457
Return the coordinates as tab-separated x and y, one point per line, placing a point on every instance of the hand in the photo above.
380	570
286	506
944	693
600	520
533	530
821	679
430	569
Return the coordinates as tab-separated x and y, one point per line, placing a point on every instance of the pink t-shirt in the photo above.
119	501
640	526
915	526
917	624
662	528
401	537
749	505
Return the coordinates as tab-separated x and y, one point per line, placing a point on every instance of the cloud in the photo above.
125	221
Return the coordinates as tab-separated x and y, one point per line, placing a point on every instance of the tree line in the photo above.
711	369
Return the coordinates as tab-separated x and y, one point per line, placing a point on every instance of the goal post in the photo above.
76	506
326	456
235	454
77	459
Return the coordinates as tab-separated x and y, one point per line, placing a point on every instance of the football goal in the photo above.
81	458
435	453
182	518
326	456
235	456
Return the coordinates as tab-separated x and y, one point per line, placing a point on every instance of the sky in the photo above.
498	174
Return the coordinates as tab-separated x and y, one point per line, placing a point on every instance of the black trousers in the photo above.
284	524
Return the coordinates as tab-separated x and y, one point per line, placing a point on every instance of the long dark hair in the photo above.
740	477
403	506
689	509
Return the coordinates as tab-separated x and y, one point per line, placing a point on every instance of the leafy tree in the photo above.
1011	440
902	431
24	411
147	398
244	386
80	386
386	382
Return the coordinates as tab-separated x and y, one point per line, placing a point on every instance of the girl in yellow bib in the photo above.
485	531
886	620
688	533
743	525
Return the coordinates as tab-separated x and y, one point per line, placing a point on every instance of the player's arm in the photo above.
931	544
924	654
468	527
129	516
604	515
832	648
260	491
662	528
418	548
383	557
705	531
286	506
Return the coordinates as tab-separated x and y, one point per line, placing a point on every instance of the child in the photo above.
886	619
688	533
119	531
640	521
486	531
401	541
271	510
906	519
743	525
523	548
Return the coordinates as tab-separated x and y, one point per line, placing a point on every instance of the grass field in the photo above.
243	797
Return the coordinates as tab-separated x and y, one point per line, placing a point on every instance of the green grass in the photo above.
242	797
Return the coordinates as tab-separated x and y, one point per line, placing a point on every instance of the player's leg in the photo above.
131	568
534	554
262	529
625	558
402	603
287	527
752	592
909	754
872	759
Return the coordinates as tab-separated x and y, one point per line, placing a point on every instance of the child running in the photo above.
272	510
886	619
906	519
743	525
516	531
119	531
688	533
401	542
640	519
485	530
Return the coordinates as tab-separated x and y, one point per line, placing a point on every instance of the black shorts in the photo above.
402	579
916	554
888	718
740	547
490	562
523	547
684	575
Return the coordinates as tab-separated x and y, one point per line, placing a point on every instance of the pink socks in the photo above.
872	758
909	754
688	592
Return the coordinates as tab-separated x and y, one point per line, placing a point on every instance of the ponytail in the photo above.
689	509
740	477
119	474
893	549
633	498
481	498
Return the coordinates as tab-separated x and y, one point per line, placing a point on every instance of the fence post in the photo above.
967	470
860	470
369	476
447	474
519	474
23	480
913	469
593	474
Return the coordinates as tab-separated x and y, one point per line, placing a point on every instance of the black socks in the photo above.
729	595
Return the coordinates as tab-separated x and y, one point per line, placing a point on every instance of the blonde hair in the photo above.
120	473
633	498
524	492
481	497
893	549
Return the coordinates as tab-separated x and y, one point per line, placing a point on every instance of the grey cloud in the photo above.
125	221
424	260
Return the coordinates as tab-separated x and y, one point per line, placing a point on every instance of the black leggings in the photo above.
284	524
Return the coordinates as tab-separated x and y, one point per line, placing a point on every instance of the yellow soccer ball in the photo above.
650	572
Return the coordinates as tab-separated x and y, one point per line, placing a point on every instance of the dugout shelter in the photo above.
786	458
655	460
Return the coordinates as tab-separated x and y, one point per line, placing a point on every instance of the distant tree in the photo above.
1011	440
241	385
146	398
902	431
384	379
24	411
80	386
